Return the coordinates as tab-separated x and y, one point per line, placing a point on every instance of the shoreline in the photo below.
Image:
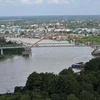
4	57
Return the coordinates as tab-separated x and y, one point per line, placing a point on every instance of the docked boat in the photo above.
78	65
96	52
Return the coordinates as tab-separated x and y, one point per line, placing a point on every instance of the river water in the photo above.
14	71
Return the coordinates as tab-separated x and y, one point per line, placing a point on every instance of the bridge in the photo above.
59	45
39	44
11	46
16	46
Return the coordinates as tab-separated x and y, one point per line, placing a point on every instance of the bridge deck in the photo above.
58	45
12	46
42	45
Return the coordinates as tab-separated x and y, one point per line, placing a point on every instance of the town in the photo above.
37	29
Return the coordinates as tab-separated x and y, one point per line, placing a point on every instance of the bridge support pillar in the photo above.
1	51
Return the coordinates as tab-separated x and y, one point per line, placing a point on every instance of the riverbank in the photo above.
3	57
32	41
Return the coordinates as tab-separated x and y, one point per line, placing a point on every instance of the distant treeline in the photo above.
94	39
67	85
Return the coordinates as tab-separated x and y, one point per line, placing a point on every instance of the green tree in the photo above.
85	95
25	97
72	97
93	65
66	71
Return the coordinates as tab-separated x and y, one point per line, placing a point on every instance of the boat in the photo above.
78	65
96	52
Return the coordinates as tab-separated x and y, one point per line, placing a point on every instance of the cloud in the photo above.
6	1
31	1
38	1
25	1
45	1
59	1
53	1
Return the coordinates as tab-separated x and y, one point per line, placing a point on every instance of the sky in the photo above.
49	7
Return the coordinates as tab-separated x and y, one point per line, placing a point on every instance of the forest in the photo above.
66	85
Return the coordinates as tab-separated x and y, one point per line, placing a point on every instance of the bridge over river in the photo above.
29	45
47	42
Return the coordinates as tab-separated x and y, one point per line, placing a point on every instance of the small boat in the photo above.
78	65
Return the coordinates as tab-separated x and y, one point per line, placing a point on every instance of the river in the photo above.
14	71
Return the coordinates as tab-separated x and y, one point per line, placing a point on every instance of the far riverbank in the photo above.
4	57
32	41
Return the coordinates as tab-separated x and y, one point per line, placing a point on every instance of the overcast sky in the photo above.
49	7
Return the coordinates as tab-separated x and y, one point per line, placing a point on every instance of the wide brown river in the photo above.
14	71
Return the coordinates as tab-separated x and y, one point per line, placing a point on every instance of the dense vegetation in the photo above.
2	56
67	85
94	39
9	52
